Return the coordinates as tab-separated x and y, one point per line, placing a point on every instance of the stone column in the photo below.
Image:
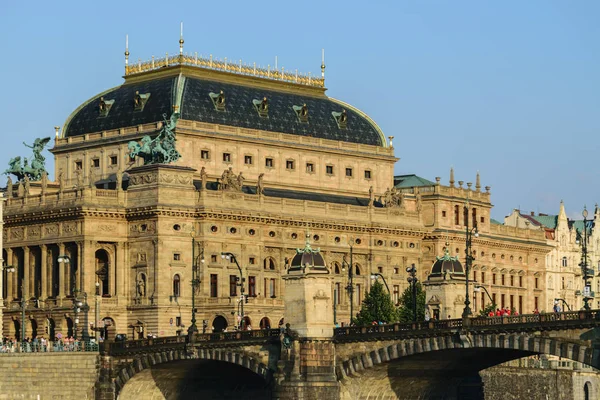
44	270
80	274
119	268
61	272
26	273
10	278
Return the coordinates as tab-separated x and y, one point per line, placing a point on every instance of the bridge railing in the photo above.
133	346
428	327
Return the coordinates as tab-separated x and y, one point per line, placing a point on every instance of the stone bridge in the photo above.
437	359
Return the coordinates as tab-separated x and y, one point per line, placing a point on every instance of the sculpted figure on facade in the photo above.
119	180
61	181
240	181
260	186
203	178
230	181
20	190
44	182
79	179
9	187
371	196
26	186
91	176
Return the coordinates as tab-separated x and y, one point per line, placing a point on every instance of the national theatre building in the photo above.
193	157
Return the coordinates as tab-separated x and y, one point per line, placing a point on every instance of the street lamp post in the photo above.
350	286
584	264
193	329
564	303
231	256
412	281
469	232
478	288
97	312
376	275
335	295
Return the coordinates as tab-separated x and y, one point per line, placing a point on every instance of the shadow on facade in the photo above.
196	379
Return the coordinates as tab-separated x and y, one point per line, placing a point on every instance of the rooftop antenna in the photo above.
126	53
323	64
181	40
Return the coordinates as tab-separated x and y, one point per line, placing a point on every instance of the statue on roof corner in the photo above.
161	149
38	163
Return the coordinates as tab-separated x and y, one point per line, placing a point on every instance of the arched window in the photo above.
269	264
587	389
357	269
103	272
336	268
564	261
176	285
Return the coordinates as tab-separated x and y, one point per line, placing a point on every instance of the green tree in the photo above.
486	310
406	304
377	306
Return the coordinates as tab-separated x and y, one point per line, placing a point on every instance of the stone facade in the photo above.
126	228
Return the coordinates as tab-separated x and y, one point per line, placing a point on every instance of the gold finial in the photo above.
323	63
181	40
126	52
56	130
391	138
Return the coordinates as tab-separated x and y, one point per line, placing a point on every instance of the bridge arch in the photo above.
126	371
521	344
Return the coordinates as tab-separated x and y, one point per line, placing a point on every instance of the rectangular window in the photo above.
512	302
96	162
269	162
233	285
535	303
226	157
367	174
502	279
482	220
289	164
396	294
214	285
456	216
536	283
562	282
329	169
310	167
349	172
512	280
474	219
482	300
204	154
494	298
177	321
520	310
252	286
444	214
338	293
177	257
252	260
482	277
502	300
248	160
272	288
213	258
520	281
78	165
493	279
114	160
474	276
357	298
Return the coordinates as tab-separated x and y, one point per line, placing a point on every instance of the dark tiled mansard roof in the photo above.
196	104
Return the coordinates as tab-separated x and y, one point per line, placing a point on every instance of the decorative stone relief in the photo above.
33	231
17	233
69	227
107	228
51	230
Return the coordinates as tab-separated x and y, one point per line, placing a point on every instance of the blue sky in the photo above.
507	88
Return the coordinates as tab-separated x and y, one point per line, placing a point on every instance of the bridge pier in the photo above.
307	368
105	386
